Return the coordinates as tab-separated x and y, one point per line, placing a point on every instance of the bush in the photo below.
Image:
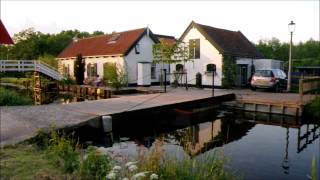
95	165
79	69
312	109
114	76
208	167
13	98
64	152
67	81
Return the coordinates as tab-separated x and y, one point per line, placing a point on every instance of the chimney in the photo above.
75	38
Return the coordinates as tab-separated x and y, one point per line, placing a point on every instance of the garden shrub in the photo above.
311	110
95	165
228	71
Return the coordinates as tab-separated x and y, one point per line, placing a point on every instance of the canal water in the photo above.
257	146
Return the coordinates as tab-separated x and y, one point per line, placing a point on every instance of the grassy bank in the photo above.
10	97
59	157
312	109
28	162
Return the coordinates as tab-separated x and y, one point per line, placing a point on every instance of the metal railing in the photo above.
29	65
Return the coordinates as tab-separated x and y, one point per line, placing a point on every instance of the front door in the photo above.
243	75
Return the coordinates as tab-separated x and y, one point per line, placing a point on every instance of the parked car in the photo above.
274	79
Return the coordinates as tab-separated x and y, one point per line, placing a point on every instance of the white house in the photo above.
207	45
130	50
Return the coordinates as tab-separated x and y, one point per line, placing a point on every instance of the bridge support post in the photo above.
37	88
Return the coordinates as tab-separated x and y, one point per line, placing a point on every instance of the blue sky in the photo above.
255	19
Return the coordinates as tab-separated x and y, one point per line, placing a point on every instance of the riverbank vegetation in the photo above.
311	110
13	98
57	156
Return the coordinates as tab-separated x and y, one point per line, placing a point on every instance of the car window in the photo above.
264	73
283	74
277	73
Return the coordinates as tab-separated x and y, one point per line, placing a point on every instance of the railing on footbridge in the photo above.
29	65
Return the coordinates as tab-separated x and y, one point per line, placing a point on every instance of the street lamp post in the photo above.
291	27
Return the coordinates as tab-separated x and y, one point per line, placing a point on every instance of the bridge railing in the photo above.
29	65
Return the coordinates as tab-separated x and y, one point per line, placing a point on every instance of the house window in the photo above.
137	48
92	70
153	71
211	67
179	68
194	48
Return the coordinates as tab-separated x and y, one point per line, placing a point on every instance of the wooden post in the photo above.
301	90
37	88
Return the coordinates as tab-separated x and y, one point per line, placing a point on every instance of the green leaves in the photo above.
169	54
79	68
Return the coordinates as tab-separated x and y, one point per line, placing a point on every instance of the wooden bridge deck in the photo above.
22	122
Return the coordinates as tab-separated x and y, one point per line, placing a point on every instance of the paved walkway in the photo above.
22	122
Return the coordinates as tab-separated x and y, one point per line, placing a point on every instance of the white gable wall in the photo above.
208	55
132	59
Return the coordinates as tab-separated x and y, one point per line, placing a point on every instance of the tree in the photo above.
114	76
79	68
170	54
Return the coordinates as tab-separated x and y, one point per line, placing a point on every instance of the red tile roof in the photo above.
226	41
103	45
4	35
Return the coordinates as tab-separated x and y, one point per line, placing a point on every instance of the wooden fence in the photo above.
308	85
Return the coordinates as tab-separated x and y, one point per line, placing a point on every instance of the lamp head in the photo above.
292	26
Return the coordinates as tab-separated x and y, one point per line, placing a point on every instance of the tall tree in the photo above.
79	68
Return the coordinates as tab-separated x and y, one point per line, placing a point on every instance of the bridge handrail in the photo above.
29	65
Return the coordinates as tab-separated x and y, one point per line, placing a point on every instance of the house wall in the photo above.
208	55
145	55
66	62
101	60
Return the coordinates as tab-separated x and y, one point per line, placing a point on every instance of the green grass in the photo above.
12	98
209	167
27	162
15	80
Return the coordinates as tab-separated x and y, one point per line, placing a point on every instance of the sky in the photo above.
255	19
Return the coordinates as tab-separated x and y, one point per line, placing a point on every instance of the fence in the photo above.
308	85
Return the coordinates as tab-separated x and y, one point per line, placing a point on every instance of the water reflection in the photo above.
66	98
261	146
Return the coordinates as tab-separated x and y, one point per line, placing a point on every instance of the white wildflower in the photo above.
131	163
116	168
125	178
133	168
111	175
153	176
139	175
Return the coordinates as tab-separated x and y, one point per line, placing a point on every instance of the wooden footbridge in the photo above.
35	66
30	66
